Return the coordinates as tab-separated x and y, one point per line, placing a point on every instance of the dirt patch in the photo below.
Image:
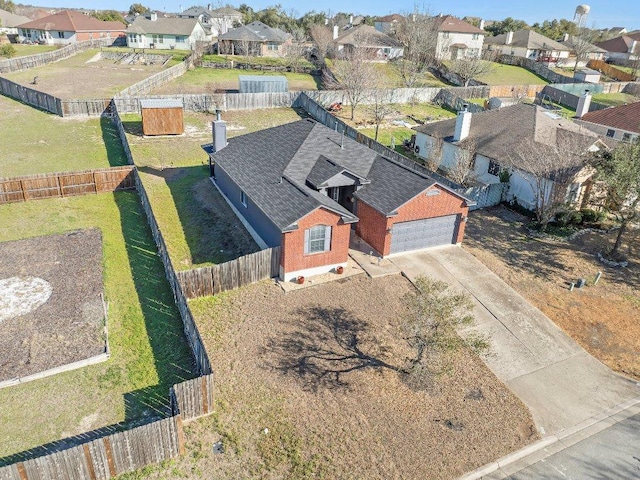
82	77
52	312
307	387
602	318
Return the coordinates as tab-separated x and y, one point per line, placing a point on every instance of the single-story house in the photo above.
620	123
496	135
304	187
215	21
581	51
622	48
365	38
255	39
151	31
528	44
67	27
9	22
457	39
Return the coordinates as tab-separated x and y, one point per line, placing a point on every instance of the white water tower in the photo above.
580	17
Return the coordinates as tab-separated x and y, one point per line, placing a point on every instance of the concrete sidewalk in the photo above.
561	384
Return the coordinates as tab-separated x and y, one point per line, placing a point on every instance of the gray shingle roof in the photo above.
366	36
163	26
272	167
527	39
497	132
392	185
255	32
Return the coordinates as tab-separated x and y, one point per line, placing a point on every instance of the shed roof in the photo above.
161	103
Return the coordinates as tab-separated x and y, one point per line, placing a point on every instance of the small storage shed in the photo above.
587	75
262	83
162	117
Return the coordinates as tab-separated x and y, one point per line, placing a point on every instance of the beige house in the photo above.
458	39
254	39
528	44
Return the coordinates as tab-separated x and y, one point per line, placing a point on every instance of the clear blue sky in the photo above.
604	13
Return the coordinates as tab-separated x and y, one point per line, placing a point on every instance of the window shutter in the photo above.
327	238
306	241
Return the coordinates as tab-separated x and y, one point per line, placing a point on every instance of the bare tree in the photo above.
418	33
468	69
581	45
294	52
352	74
322	39
463	171
549	169
380	106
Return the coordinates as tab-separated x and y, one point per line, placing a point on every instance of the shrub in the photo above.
8	50
592	216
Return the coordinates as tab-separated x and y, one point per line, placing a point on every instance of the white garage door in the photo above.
429	232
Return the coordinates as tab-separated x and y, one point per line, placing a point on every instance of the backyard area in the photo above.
191	213
148	350
602	318
32	141
25	50
283	411
511	75
614	99
212	80
92	76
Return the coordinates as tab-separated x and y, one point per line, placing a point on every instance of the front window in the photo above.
272	46
626	137
611	133
243	198
60	34
317	239
476	36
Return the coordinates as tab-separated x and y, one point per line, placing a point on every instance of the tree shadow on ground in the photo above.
212	231
325	346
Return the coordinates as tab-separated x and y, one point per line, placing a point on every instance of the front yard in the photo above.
284	410
602	318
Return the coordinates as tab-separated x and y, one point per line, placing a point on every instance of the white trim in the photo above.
258	239
310	272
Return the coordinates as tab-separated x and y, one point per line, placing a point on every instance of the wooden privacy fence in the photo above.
32	97
252	268
48	185
567	99
24	63
121	452
145	86
611	71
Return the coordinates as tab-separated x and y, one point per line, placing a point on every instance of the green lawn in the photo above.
177	56
207	80
175	170
25	50
267	61
614	99
32	141
511	75
148	349
394	80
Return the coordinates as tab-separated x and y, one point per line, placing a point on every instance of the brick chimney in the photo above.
583	104
463	124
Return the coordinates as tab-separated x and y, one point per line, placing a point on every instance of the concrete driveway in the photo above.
561	384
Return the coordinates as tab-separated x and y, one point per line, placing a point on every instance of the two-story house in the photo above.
215	21
457	39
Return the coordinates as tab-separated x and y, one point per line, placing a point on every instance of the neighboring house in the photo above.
150	31
458	39
388	24
216	21
303	187
496	134
624	47
367	40
255	39
620	123
580	47
528	44
67	27
9	22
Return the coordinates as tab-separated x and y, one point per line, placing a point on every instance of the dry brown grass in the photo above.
603	318
275	358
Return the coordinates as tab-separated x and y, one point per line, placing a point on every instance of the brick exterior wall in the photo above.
293	257
375	229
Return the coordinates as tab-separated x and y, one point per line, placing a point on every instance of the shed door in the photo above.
428	232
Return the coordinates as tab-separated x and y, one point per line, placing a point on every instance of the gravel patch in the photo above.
52	312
